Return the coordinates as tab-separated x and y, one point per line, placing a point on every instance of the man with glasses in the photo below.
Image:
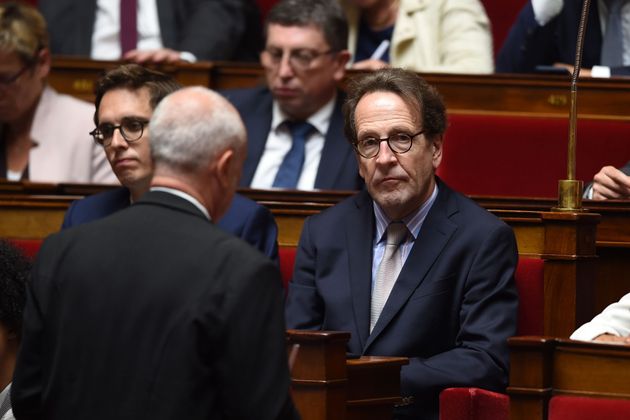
408	267
43	134
125	100
295	123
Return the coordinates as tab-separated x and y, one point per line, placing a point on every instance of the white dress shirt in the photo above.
615	320
279	143
106	34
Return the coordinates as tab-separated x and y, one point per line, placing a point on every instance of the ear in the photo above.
341	61
437	148
223	167
43	63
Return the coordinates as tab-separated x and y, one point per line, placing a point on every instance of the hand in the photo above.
613	339
370	64
583	72
610	183
162	55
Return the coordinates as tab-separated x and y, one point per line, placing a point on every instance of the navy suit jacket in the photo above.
338	169
210	29
452	307
528	44
245	218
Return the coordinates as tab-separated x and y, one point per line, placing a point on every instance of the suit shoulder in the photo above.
342	210
247	96
470	211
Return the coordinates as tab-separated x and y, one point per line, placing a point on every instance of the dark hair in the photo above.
326	15
413	89
134	77
14	272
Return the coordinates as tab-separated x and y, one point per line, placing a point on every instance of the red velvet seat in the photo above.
29	247
286	255
584	408
525	156
479	404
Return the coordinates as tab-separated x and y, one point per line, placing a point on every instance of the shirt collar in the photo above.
320	120
413	221
186	197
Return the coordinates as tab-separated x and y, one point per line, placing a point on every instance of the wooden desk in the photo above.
566	241
509	94
543	367
325	385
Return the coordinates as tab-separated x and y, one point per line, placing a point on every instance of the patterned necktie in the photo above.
612	45
291	167
128	26
388	269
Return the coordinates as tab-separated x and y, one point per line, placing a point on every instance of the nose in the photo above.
118	141
385	154
285	70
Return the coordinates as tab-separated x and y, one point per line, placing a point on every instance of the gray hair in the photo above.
192	126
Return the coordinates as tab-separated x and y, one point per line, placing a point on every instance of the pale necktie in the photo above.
612	45
291	168
388	270
128	25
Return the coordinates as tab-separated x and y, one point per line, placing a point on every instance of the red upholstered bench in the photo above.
286	255
479	404
584	408
29	247
526	156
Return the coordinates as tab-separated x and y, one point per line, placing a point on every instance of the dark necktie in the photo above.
388	270
291	167
128	26
612	45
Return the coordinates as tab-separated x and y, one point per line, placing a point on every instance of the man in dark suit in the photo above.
127	95
545	34
304	59
154	313
203	29
408	267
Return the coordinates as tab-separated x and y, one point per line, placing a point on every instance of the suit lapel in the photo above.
166	18
335	150
435	233
359	238
84	25
258	124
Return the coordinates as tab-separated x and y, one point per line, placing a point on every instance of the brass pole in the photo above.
570	189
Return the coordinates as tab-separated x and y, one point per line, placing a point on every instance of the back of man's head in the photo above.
191	127
22	31
134	77
14	272
326	15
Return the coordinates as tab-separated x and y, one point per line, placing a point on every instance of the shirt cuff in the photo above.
545	10
590	330
187	56
600	71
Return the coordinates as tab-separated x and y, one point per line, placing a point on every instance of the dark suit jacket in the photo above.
451	310
245	218
152	313
210	29
338	168
529	44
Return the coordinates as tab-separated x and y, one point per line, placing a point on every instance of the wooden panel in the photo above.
508	94
542	367
325	385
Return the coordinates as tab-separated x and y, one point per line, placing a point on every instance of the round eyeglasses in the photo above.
131	130
399	143
300	59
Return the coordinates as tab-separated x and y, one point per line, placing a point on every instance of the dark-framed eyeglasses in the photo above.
300	59
130	128
9	80
399	143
